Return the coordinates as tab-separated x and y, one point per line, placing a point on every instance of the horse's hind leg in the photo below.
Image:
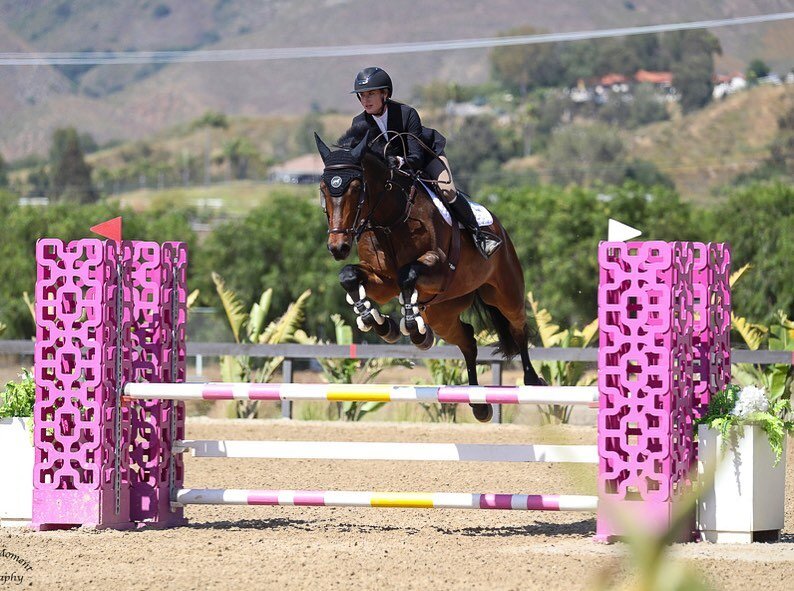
445	320
356	281
510	305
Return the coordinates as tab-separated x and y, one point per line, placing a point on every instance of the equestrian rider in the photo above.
373	86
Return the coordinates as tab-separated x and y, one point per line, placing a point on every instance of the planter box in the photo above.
746	502
16	473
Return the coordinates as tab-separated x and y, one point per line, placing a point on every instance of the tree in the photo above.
782	149
583	153
691	55
523	67
556	232
475	147
239	152
3	174
70	176
39	181
304	132
757	69
757	221
280	244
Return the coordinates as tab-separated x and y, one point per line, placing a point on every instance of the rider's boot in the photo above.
486	242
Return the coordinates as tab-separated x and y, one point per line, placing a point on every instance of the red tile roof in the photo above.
654	77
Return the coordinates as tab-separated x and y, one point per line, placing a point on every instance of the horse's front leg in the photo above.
356	281
413	325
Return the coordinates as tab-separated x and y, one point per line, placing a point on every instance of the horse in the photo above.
407	250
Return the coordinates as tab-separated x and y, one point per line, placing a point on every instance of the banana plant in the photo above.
777	378
561	373
249	327
351	371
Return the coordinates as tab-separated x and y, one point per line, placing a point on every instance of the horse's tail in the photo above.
492	318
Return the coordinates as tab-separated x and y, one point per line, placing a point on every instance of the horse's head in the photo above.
342	194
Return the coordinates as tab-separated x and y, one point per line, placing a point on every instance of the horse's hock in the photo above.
109	416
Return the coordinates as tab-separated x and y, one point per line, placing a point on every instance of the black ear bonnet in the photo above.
343	170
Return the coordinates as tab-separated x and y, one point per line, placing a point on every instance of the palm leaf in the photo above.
192	297
282	329
259	311
344	334
737	274
30	304
753	334
267	371
550	334
589	332
235	311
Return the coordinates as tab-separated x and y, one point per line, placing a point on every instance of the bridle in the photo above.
361	198
365	224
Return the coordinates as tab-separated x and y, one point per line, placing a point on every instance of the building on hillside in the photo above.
301	170
726	84
661	79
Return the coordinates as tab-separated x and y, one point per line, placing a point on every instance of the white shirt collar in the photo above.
382	121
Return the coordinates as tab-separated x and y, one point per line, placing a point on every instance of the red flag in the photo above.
109	229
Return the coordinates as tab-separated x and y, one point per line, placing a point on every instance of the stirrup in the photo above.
486	242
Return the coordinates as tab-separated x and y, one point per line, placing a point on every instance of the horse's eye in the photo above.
322	200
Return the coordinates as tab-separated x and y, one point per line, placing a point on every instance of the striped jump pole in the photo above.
341	498
567	395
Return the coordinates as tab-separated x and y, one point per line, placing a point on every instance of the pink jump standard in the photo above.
109	416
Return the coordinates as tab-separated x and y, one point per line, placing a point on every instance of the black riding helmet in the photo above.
372	79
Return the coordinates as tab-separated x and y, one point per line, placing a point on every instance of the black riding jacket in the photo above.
404	118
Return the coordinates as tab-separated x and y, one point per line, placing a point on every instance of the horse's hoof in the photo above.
482	412
423	341
388	331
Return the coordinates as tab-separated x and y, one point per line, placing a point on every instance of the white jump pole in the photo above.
357	450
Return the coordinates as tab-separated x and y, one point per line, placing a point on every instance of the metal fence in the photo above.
294	352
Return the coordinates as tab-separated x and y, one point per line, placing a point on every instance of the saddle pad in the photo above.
482	215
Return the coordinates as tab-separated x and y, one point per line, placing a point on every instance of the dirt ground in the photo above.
238	547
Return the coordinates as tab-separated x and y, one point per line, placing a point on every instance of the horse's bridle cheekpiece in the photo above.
337	178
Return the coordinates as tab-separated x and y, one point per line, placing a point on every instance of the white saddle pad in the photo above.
482	215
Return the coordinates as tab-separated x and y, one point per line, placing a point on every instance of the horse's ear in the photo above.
322	148
358	151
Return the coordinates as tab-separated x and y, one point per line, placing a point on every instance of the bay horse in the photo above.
406	250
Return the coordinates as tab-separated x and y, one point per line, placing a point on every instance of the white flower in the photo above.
751	399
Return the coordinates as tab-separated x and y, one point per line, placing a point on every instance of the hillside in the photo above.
128	102
708	148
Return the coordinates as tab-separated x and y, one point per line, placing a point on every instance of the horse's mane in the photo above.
351	138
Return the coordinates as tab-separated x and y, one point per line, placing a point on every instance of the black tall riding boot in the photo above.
486	242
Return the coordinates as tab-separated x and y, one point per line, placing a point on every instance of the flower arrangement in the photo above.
736	407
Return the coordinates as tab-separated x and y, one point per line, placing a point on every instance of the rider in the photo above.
373	86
